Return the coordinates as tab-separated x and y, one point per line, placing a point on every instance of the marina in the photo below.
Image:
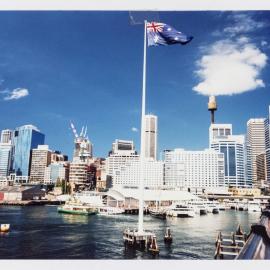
63	236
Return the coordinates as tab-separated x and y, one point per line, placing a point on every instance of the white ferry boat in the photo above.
198	206
242	206
180	210
211	207
254	206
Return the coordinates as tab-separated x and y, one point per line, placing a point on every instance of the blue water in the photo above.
40	232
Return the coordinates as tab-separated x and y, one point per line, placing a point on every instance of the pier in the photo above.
30	202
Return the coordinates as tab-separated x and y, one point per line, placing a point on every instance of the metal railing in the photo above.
258	243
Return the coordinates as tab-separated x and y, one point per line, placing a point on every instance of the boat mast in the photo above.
142	154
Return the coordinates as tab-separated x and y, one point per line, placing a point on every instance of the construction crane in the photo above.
74	130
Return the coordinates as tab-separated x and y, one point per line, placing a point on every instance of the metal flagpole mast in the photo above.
142	154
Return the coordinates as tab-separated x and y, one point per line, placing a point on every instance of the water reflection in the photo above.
42	232
73	219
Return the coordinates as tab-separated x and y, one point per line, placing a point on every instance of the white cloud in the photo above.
134	129
243	23
15	94
230	68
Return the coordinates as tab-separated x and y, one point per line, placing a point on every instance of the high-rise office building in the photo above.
56	171
26	138
256	143
122	153
193	169
79	174
40	159
267	145
233	148
150	136
123	147
261	168
6	136
6	151
128	175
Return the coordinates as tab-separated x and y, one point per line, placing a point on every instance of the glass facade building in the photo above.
233	148
6	151
25	139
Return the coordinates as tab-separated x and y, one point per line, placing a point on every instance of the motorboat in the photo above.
181	210
109	211
158	213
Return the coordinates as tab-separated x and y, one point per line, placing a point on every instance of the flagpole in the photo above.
142	154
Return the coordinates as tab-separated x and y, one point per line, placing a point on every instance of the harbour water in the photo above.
40	232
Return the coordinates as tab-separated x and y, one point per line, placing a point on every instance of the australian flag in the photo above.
163	34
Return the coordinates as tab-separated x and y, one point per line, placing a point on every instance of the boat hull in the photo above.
76	212
157	214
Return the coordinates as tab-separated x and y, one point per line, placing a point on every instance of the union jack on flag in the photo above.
163	34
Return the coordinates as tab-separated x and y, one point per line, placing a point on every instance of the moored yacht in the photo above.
109	211
198	206
158	213
181	210
211	207
254	206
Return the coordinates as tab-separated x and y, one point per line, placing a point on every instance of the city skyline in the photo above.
58	70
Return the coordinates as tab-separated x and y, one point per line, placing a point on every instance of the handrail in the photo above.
258	243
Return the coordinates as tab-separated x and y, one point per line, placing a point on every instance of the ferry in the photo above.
198	207
254	206
211	207
241	206
76	208
180	210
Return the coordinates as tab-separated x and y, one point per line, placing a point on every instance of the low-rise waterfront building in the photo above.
255	192
21	193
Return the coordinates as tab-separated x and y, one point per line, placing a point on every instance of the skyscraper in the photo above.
6	136
267	145
256	144
40	159
6	151
233	148
151	136
26	138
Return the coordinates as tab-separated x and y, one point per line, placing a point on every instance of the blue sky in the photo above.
87	67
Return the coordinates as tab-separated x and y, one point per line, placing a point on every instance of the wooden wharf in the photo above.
228	246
